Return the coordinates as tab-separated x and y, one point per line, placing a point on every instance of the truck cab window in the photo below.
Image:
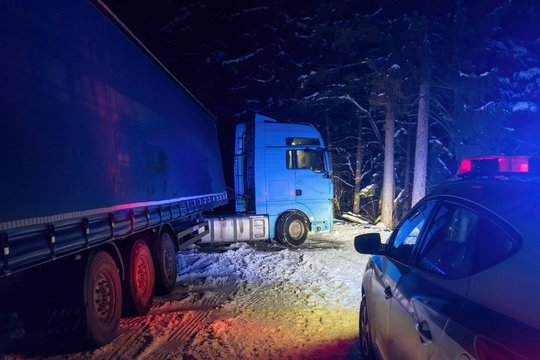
306	160
303	141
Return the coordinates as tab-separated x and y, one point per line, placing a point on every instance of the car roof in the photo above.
492	193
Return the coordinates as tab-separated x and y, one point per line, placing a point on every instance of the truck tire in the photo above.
164	254
292	228
139	280
102	298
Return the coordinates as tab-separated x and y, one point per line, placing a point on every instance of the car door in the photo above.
435	287
386	275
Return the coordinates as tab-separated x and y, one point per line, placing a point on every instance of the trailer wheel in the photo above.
139	281
292	228
165	263
102	298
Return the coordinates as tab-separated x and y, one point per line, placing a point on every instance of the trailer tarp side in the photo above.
92	131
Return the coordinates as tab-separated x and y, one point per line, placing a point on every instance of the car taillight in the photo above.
487	349
493	165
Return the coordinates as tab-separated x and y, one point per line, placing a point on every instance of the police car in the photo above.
459	277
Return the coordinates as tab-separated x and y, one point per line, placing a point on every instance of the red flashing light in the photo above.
515	164
492	165
465	166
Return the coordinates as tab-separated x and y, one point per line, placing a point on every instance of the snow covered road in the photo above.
245	301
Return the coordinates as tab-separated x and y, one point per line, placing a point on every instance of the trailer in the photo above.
110	167
108	164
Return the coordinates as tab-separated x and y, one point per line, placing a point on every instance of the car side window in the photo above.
448	243
407	234
460	240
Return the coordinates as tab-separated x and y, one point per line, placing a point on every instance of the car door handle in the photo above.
387	292
422	328
298	192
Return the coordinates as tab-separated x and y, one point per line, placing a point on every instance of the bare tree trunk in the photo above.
328	136
358	169
336	200
420	157
388	179
407	174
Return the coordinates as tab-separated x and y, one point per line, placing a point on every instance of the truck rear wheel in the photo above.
292	229
165	263
139	282
102	298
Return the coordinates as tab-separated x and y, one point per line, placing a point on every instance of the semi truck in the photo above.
110	167
281	170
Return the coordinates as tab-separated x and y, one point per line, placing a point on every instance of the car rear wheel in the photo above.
366	346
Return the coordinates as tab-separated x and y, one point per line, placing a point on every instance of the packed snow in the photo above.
243	301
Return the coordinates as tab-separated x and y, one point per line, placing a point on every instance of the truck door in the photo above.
311	175
280	191
312	183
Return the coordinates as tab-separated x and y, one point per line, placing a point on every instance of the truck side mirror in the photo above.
369	244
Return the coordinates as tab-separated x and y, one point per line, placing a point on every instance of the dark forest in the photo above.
434	82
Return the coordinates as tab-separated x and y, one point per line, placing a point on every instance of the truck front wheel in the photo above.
292	229
102	298
139	282
165	263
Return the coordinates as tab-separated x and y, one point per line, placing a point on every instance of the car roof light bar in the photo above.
494	165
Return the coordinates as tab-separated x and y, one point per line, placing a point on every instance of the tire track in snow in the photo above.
128	344
178	340
190	327
193	321
188	314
